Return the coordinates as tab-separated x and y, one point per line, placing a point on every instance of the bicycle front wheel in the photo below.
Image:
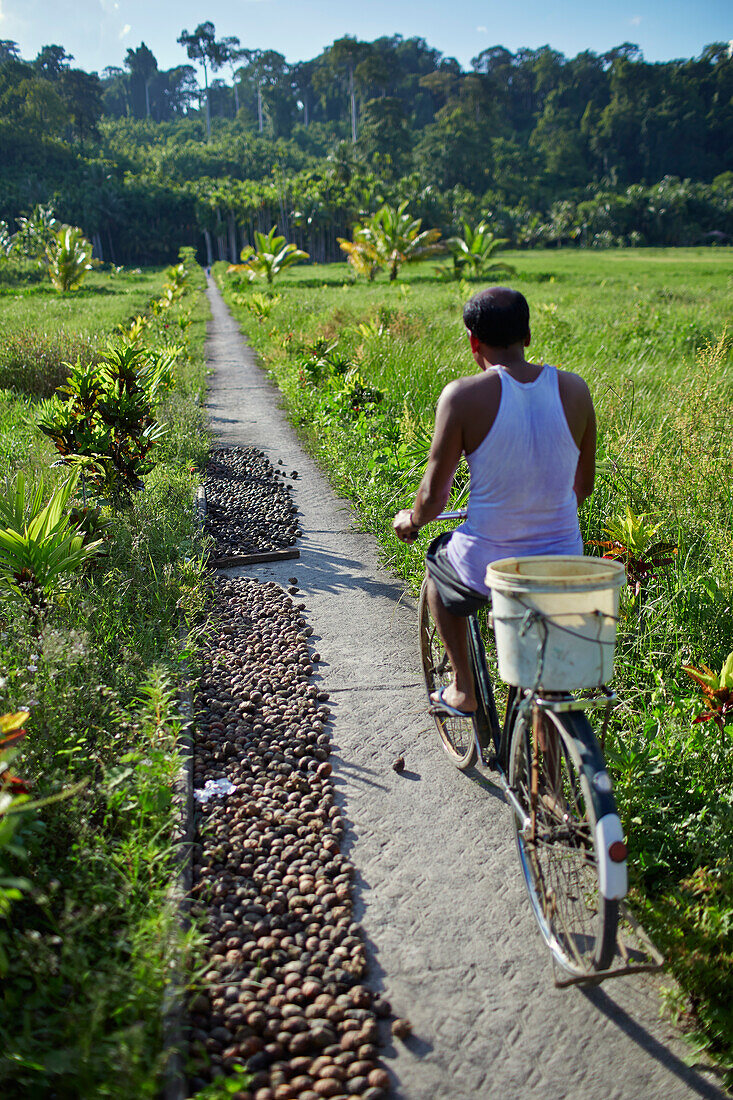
558	856
457	735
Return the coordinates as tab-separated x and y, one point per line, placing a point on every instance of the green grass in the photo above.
41	330
648	330
90	946
104	300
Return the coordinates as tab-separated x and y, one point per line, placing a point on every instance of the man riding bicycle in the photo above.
529	436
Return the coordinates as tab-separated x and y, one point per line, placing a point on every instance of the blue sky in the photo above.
98	32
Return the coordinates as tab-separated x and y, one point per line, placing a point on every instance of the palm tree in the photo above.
361	253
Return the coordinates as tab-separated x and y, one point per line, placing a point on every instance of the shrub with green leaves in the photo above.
474	254
103	420
36	232
6	241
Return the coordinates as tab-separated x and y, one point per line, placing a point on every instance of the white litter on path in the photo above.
212	788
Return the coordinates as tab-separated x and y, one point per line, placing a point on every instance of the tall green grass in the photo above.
648	331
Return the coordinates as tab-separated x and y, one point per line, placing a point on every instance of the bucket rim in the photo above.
598	573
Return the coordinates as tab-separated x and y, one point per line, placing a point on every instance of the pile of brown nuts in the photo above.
282	994
248	508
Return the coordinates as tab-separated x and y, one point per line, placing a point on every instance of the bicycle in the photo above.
551	768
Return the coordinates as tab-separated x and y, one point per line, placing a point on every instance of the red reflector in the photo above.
617	851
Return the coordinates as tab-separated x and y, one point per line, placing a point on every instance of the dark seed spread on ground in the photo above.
282	993
248	508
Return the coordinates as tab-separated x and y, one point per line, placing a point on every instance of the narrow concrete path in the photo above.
439	892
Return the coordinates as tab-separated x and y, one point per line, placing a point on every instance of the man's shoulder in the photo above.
471	386
572	385
470	404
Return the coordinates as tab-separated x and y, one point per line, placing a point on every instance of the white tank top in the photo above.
522	500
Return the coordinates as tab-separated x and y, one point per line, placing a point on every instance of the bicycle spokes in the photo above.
556	844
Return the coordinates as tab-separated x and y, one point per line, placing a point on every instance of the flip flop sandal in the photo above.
439	705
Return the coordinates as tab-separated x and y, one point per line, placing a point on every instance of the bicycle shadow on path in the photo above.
630	1026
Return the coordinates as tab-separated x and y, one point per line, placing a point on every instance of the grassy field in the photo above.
40	330
362	366
86	950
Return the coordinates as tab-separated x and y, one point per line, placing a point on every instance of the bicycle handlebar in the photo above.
460	514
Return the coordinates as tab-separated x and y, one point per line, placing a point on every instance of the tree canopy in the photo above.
548	149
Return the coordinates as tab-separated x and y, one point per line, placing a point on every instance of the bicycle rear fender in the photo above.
592	763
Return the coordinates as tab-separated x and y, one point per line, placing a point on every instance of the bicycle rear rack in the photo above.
562	703
604	697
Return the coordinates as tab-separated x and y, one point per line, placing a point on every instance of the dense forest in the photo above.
594	150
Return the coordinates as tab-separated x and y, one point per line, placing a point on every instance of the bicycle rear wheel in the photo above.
457	735
560	862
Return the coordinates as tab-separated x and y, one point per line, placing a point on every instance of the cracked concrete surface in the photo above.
439	892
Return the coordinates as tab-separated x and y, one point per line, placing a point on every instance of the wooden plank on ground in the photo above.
253	559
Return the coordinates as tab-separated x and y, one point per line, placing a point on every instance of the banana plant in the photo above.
473	254
39	545
717	688
69	256
362	253
269	258
398	238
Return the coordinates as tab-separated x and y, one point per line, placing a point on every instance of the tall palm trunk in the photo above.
353	103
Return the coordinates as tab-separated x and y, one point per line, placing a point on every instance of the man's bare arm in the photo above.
445	454
585	474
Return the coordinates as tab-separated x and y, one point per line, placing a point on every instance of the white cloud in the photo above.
635	20
482	30
125	31
2	13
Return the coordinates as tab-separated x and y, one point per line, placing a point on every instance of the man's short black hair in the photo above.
498	317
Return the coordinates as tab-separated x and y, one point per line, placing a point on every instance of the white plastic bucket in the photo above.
555	617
